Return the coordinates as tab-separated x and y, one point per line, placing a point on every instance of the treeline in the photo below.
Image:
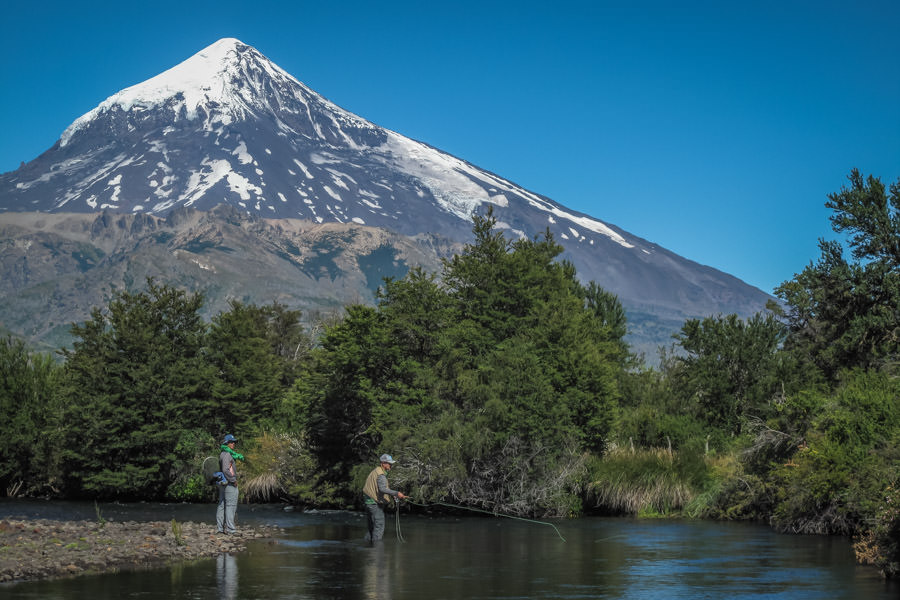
502	383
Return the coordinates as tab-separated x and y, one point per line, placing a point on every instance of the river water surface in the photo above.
323	555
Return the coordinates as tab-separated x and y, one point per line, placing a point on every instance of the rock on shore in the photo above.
41	548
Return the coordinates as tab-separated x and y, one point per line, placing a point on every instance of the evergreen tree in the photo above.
288	339
847	314
606	307
415	313
729	369
28	414
137	382
514	298
349	374
248	367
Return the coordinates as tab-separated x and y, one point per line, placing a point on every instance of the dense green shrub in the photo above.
836	480
879	545
187	483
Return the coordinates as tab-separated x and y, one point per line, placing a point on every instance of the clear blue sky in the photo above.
715	129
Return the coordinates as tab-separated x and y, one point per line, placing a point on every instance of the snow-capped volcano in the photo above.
223	83
270	145
229	126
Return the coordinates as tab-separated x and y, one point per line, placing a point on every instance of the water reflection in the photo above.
226	576
376	577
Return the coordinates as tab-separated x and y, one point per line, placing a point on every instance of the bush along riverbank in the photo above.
41	548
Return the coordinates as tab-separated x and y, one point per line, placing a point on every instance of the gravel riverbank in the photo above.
41	548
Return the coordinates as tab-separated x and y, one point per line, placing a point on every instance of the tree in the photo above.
841	314
28	412
415	313
249	366
849	462
503	364
289	341
137	382
870	217
335	399
729	368
606	307
510	296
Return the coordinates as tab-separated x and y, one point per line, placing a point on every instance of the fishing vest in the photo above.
371	487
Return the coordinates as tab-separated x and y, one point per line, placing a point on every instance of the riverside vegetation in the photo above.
502	383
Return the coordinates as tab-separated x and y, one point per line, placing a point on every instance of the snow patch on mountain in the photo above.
241	152
445	176
462	189
304	169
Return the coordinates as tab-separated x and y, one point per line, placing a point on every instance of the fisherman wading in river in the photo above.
377	495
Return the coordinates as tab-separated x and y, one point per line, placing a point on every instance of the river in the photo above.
322	555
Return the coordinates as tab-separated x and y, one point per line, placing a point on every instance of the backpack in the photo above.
210	472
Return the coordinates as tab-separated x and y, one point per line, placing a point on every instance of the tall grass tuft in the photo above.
644	482
275	462
176	532
262	487
100	518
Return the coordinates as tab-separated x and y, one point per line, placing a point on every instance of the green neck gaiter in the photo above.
236	455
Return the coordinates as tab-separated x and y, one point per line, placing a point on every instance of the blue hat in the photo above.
388	459
229	438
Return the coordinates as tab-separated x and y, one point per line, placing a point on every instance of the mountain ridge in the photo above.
58	267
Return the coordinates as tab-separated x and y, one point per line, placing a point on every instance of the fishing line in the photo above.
397	527
487	512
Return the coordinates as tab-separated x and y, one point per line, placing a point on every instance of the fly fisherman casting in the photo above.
377	495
